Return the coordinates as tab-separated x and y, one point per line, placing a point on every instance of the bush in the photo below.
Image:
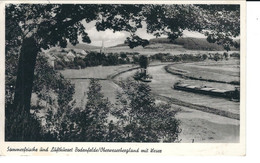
112	59
140	119
59	65
94	59
90	123
27	126
21	126
160	56
176	58
205	56
225	54
123	55
135	59
217	57
235	55
79	62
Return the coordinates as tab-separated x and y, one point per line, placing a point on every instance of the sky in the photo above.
111	38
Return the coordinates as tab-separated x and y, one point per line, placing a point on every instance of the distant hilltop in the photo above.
189	43
83	46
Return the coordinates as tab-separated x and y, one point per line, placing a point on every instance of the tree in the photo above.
226	55
140	119
123	55
49	87
112	59
35	27
79	62
224	24
91	122
143	62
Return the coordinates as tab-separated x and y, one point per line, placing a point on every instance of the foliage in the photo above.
91	122
204	56
59	65
192	43
140	118
79	62
135	41
45	78
57	92
22	126
143	61
123	55
160	56
51	80
135	59
217	57
11	62
225	54
94	59
112	59
54	23
166	57
57	123
236	55
52	89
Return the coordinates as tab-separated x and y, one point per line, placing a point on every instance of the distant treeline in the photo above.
111	59
95	59
167	57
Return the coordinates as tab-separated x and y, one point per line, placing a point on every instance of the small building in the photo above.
71	56
83	52
66	59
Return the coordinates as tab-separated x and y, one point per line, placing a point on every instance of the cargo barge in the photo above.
231	94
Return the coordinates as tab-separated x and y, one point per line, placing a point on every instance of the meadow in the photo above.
224	71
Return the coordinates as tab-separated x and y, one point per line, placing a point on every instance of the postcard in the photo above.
122	78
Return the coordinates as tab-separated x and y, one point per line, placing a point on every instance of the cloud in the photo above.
105	35
187	33
143	34
111	38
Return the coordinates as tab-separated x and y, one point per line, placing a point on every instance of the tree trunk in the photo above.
145	72
25	74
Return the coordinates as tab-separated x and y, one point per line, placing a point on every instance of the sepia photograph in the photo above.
133	73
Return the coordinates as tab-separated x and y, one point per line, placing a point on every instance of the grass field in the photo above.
225	71
80	78
81	88
94	72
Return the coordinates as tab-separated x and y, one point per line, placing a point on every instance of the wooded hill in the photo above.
190	43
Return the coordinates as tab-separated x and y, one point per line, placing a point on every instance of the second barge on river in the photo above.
231	94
